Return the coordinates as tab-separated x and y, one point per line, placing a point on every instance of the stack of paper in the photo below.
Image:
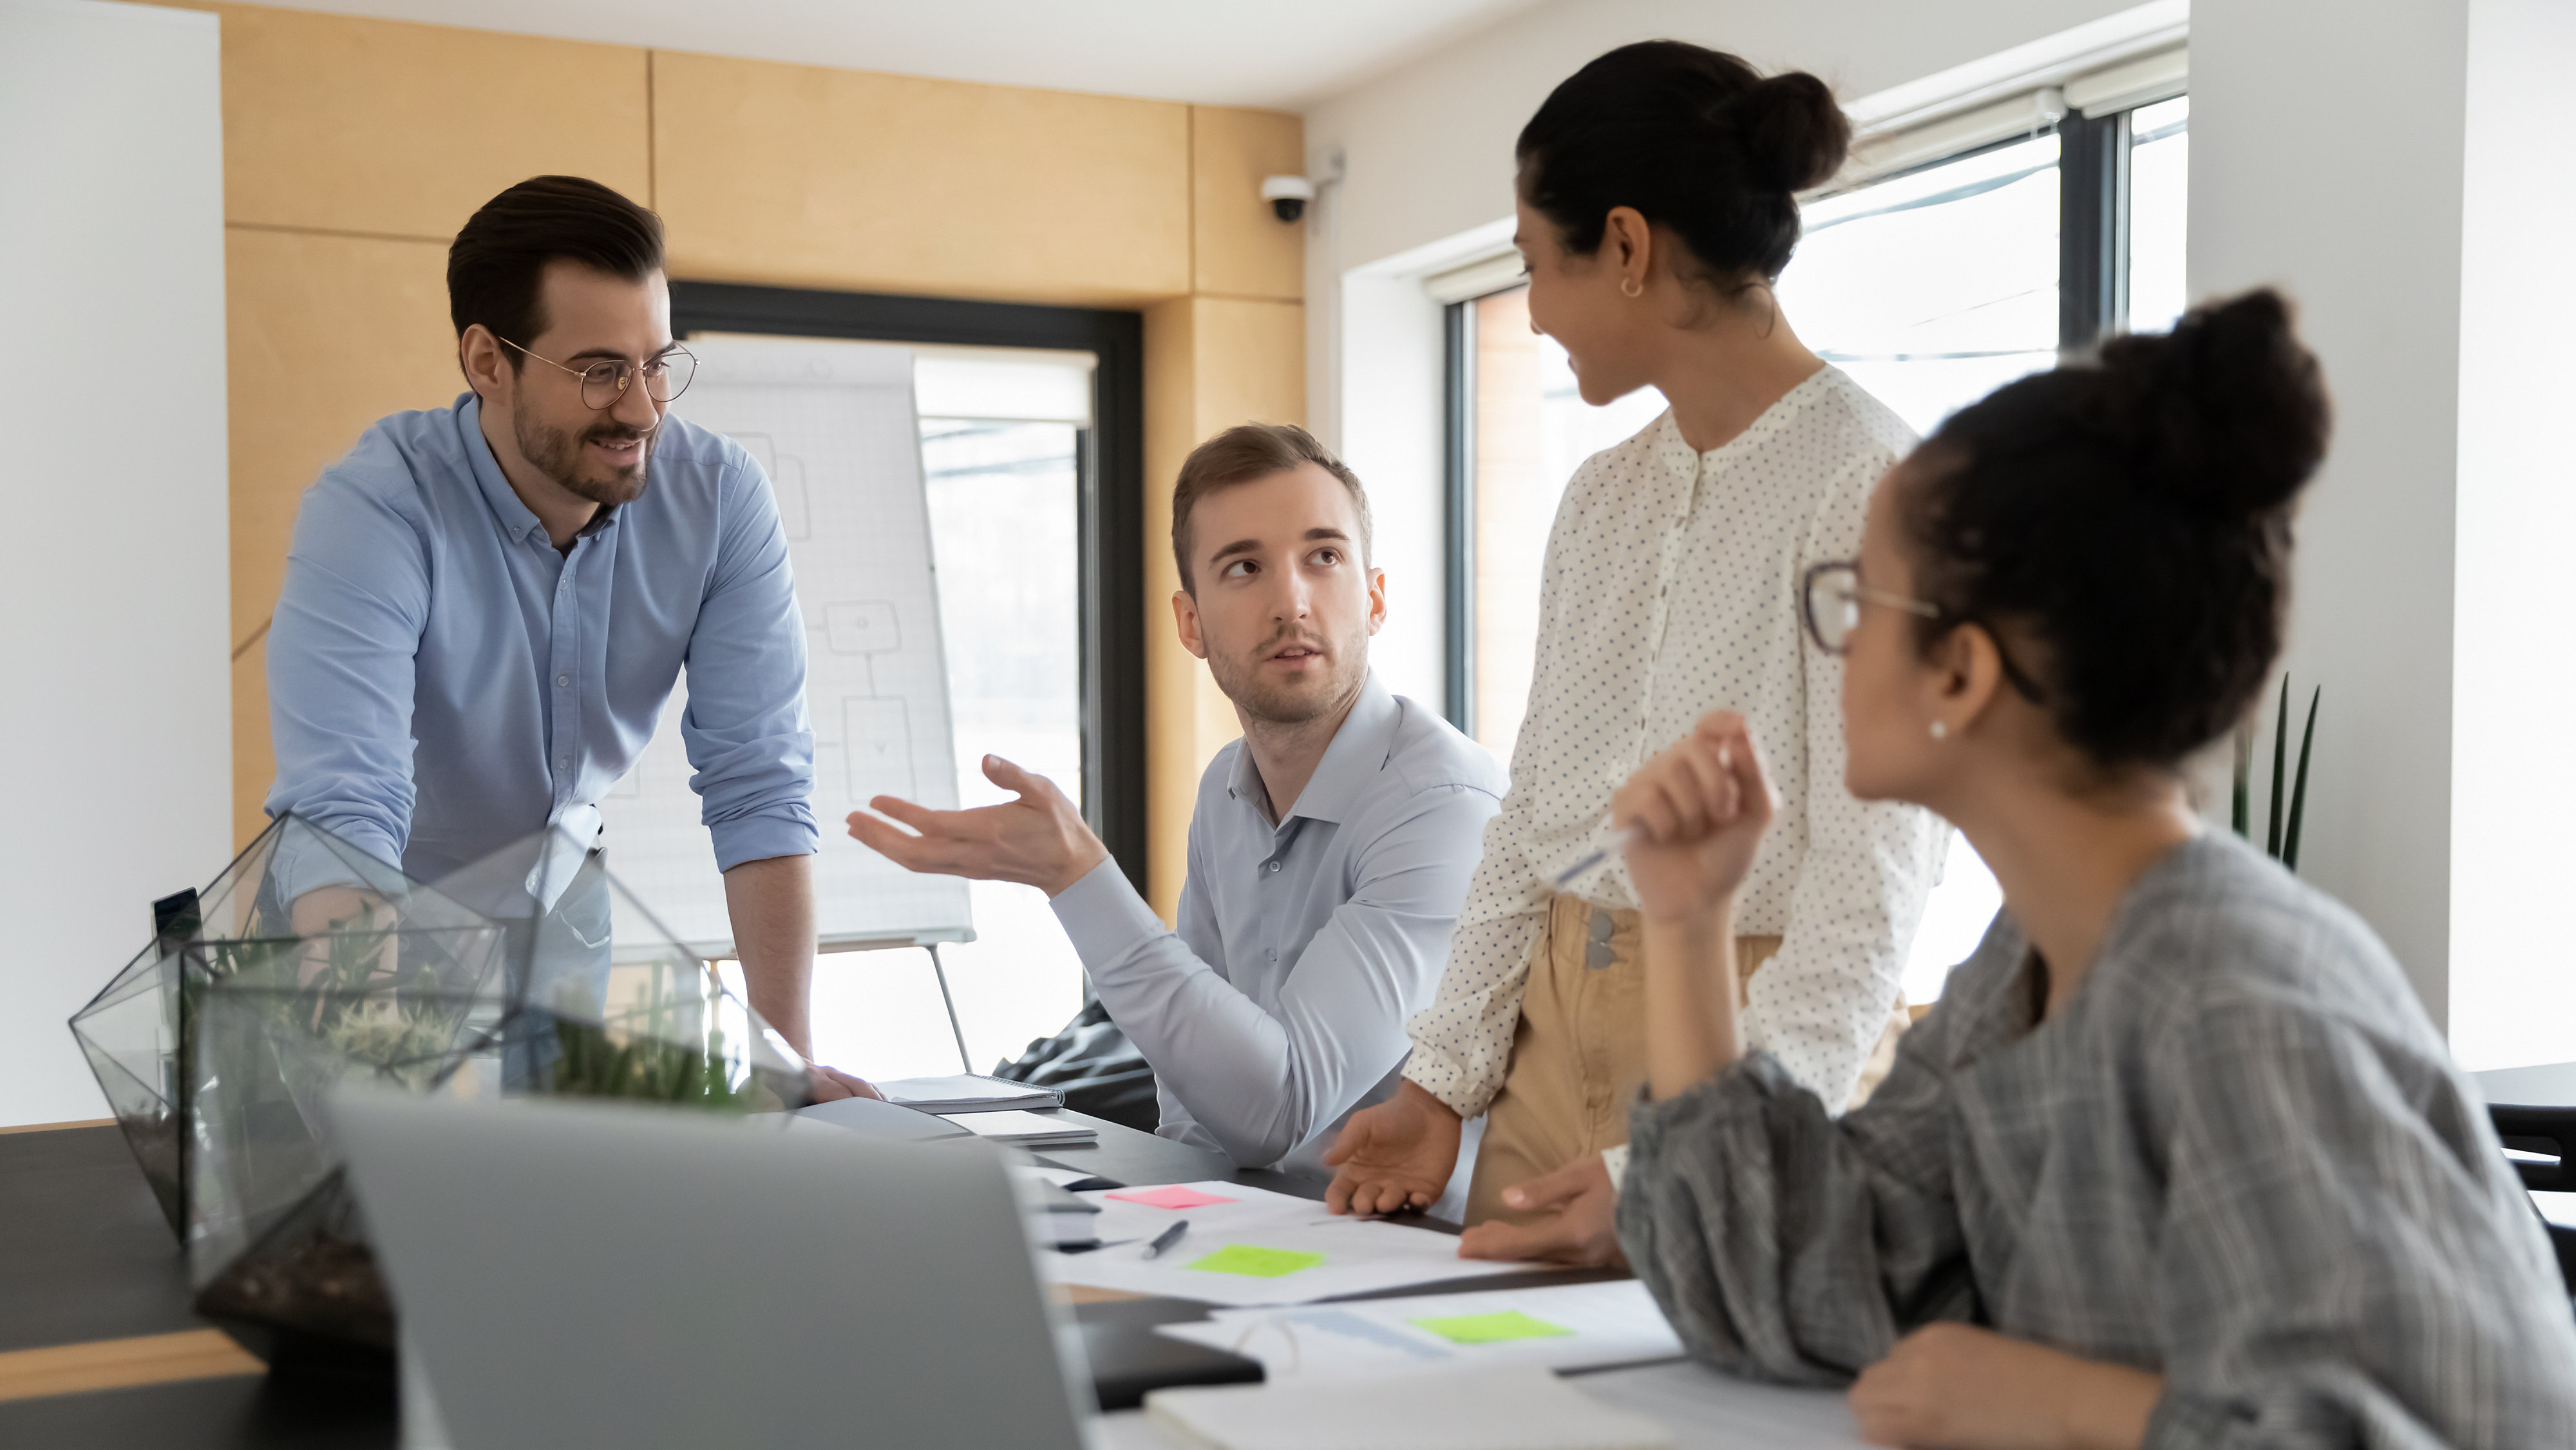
1563	1326
967	1092
1029	1130
1519	1407
1249	1246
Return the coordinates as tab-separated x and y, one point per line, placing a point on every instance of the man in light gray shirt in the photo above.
1330	848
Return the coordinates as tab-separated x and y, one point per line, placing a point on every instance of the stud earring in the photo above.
1940	729
1629	287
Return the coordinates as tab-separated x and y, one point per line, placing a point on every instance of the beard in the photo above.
1292	701
558	454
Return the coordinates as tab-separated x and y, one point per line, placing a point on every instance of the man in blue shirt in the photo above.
1331	845
486	605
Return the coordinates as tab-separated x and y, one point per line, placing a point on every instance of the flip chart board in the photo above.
833	425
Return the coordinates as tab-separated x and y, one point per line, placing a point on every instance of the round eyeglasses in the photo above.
1830	598
666	375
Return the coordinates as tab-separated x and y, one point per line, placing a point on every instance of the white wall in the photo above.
2513	695
2327	150
113	571
1426	154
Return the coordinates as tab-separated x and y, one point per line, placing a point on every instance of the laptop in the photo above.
597	1273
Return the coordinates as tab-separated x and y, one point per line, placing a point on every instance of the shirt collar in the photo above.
1358	752
517	520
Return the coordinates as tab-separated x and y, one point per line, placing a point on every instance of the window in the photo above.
1031	425
1931	286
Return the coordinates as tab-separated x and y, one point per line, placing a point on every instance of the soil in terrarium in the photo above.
311	1274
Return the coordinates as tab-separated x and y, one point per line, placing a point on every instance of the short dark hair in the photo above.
2129	517
1243	454
498	261
1695	140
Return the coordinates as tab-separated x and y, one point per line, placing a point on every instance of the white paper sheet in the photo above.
1060	1177
1011	1125
1612	1323
1508	1407
1359	1256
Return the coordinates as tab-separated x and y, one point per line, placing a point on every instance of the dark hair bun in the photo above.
2130	517
2228	412
1695	140
1795	135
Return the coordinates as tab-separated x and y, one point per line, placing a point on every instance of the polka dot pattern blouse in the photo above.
1670	591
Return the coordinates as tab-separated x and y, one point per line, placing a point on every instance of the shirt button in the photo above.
563	680
1274	868
563	762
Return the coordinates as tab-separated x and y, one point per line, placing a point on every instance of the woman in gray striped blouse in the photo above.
2178	1159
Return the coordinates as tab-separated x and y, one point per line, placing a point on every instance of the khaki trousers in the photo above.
1579	1052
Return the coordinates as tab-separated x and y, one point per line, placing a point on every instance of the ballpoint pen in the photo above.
1166	1239
1619	841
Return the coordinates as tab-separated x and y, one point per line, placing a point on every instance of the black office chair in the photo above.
2549	1131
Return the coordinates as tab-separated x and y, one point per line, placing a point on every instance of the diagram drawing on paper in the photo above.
831	425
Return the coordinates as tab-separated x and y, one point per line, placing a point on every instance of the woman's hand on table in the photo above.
1958	1387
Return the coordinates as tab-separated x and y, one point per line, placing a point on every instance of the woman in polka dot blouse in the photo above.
1656	206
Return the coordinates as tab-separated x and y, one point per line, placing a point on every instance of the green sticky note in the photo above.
1256	1263
1500	1328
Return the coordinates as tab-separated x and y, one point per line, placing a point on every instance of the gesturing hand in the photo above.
1394	1156
1038	840
1580	1204
1700	809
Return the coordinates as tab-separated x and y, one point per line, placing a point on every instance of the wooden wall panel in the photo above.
1172	677
1210	363
341	124
254	756
337	126
325	335
1240	248
809	177
1249	362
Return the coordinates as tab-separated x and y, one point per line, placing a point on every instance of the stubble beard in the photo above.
1238	674
557	454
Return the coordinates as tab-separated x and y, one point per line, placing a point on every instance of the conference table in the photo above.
2552	1085
100	1349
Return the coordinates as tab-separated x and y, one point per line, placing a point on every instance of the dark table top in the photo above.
85	1255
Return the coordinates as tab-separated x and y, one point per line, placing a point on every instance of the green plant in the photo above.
2280	834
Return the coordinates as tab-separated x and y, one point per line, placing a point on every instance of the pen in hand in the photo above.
1620	840
1166	1239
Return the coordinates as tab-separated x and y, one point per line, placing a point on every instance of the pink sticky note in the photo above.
1174	1197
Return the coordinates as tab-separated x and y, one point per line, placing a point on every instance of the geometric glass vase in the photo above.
308	965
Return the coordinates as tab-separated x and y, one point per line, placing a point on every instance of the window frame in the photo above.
2092	304
1109	474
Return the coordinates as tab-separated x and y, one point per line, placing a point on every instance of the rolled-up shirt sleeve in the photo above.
746	729
342	647
1264	1080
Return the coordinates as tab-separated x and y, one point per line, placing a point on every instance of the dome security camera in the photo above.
1287	195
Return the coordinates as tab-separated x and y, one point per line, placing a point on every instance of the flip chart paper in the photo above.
1500	1328
1174	1197
1254	1262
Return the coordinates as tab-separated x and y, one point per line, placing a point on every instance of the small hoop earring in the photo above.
1940	729
1628	287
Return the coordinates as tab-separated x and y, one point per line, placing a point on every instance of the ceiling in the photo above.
1216	52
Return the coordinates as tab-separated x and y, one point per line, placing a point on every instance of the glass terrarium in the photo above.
309	964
